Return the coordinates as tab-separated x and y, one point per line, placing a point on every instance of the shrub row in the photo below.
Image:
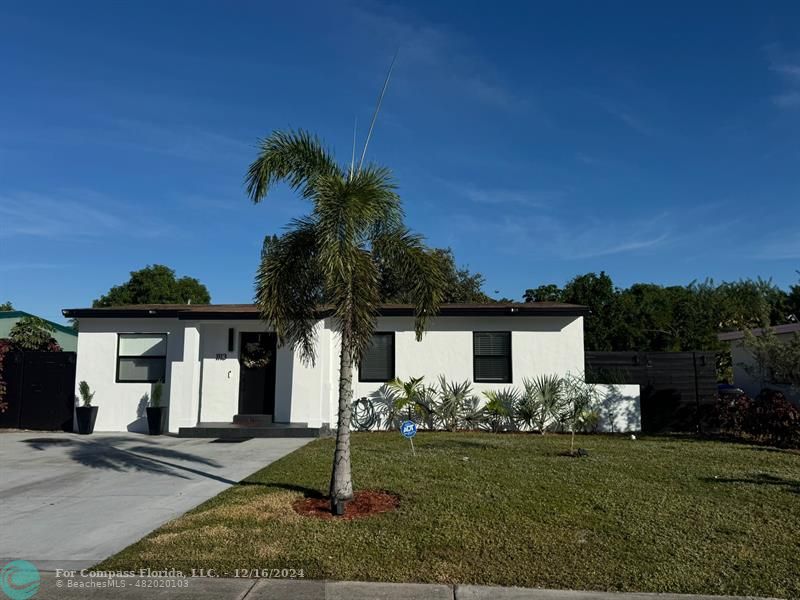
769	418
548	402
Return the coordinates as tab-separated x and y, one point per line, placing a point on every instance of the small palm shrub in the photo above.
450	402
157	393
411	398
580	398
87	395
386	408
472	415
542	402
499	409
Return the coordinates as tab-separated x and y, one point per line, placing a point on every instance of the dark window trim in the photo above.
510	362
119	336
394	355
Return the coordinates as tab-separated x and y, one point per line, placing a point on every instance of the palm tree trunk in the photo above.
341	488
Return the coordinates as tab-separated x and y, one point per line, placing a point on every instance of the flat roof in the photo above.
729	336
250	311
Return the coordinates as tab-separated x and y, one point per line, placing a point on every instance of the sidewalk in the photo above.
210	588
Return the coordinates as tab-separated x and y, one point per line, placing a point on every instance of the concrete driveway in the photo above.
69	501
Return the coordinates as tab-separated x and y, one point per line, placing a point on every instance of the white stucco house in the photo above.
746	374
221	365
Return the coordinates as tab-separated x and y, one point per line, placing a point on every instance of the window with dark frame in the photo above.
377	364
491	356
141	357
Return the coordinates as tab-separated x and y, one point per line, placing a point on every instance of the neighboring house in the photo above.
221	363
66	336
746	375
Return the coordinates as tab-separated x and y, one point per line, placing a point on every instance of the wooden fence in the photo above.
676	387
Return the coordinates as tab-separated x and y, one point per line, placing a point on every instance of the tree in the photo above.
6	307
155	284
544	293
776	361
33	333
599	294
332	256
29	333
793	302
460	284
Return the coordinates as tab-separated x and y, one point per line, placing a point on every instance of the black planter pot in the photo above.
86	416
155	419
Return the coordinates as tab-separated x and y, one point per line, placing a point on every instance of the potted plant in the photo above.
155	412
85	414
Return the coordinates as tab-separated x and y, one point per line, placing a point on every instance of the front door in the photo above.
257	353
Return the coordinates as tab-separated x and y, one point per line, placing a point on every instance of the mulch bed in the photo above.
364	504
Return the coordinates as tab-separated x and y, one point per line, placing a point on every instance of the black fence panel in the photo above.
12	375
41	390
675	386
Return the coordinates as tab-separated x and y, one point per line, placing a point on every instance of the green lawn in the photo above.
655	515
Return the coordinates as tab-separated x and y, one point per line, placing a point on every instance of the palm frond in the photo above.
296	157
288	287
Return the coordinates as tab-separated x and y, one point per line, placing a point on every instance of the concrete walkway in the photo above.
69	501
58	588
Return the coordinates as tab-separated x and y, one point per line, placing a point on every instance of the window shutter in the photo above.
377	364
492	356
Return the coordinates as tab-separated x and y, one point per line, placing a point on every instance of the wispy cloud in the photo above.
531	198
786	65
187	143
785	247
631	120
787	100
29	266
71	215
440	56
181	142
567	238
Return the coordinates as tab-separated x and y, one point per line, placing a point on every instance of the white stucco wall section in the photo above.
121	405
202	373
539	346
620	408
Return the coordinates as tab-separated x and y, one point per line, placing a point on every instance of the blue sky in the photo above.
538	140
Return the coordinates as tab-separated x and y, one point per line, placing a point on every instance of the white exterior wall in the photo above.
298	387
620	408
202	375
121	405
539	346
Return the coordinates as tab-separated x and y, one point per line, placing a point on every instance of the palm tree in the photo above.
331	257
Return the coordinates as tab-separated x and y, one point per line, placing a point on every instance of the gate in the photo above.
675	387
40	390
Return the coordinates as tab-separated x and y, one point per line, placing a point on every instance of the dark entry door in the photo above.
257	353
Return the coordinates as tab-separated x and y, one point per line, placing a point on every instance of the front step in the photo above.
253	420
232	431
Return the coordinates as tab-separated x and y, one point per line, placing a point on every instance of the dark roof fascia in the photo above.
386	311
218	315
490	310
103	313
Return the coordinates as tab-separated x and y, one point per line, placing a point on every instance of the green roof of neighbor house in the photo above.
66	336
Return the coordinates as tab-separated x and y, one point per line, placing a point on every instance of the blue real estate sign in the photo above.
408	429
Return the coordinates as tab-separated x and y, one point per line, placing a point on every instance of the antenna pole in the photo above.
353	157
377	110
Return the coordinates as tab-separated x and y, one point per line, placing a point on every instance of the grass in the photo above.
657	514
